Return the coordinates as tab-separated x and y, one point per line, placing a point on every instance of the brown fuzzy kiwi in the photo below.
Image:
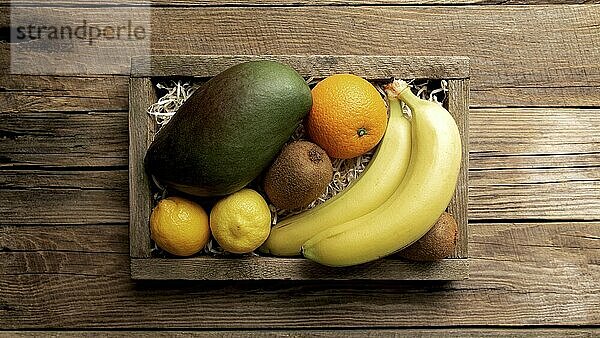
299	175
437	243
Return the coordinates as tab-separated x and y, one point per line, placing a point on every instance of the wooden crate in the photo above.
141	130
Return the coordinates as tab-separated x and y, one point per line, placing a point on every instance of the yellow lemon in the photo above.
241	222
179	226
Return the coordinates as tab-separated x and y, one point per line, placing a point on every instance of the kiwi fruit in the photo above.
437	243
298	176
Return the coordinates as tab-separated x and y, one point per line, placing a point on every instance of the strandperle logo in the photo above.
78	40
85	32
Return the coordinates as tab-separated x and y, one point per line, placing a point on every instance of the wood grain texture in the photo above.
558	193
295	3
526	157
526	138
59	139
521	274
519	167
429	332
63	197
28	93
141	133
270	268
282	3
535	95
530	55
317	66
532	67
22	179
95	238
458	105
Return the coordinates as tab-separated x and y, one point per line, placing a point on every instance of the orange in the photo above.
348	116
179	226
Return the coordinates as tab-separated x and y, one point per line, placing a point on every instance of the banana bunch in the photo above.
416	204
377	183
397	206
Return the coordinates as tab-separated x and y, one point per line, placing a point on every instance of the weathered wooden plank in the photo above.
506	138
63	197
27	93
533	64
521	274
95	238
109	180
484	161
533	95
458	105
285	3
525	157
318	66
311	31
73	300
557	193
63	206
63	139
360	2
413	332
141	134
63	263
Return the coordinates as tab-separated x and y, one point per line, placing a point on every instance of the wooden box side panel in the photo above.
370	67
458	106
254	268
141	133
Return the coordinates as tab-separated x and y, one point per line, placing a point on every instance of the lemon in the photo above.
241	222
179	226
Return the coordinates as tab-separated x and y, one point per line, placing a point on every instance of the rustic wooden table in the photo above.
534	176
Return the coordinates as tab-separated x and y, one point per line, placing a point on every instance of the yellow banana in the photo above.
414	207
378	182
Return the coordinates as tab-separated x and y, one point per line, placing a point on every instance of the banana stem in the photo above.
393	103
400	90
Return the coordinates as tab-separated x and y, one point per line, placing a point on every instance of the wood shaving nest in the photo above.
167	105
344	171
